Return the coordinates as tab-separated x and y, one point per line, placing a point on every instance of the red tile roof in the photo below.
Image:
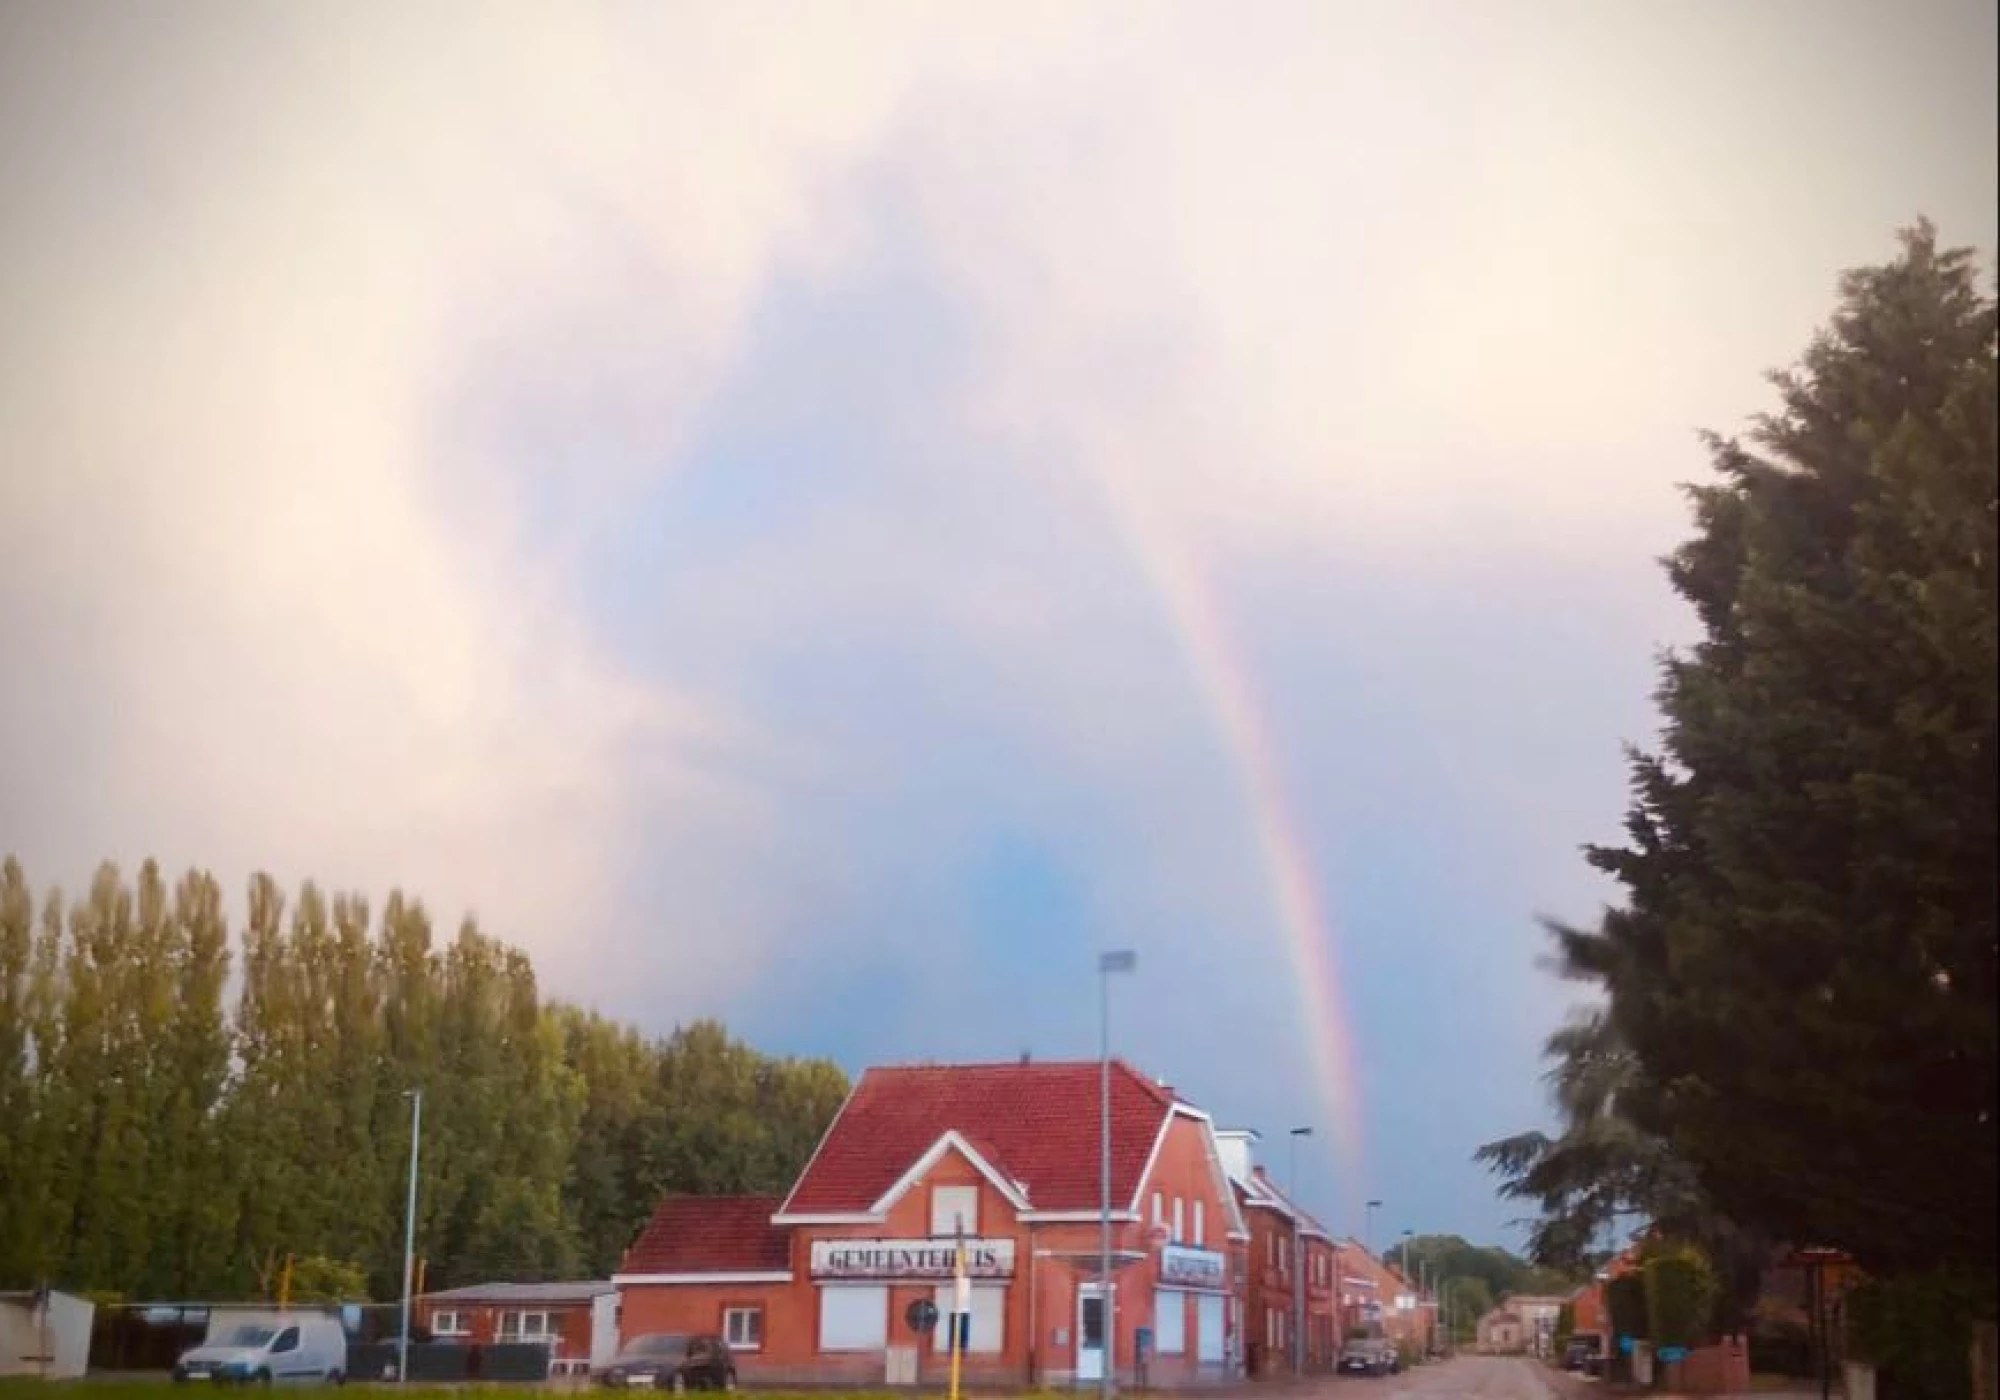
1035	1123
710	1235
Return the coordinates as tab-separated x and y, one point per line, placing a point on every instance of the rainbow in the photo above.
1224	681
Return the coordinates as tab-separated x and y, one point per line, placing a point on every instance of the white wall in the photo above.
64	1331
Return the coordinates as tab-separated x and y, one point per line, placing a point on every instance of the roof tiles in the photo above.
1036	1123
711	1234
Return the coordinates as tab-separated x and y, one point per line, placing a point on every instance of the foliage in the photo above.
1565	1326
1804	965
1468	1299
1625	1301
1917	1332
1681	1290
1502	1272
164	1142
317	1279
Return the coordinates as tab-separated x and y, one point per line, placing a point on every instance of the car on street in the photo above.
671	1361
1367	1356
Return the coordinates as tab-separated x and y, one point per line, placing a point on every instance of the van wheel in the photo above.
335	1378
263	1378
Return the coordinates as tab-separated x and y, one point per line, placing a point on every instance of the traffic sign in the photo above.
922	1315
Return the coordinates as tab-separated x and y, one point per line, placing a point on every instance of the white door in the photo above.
1090	1332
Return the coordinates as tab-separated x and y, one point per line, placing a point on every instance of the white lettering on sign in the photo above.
984	1259
1183	1267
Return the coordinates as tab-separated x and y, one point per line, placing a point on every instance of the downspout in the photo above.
1034	1309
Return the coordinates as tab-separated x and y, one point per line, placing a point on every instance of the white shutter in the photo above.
1208	1327
949	1204
1170	1322
989	1319
853	1318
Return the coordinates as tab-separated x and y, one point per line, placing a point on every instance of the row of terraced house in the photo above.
823	1283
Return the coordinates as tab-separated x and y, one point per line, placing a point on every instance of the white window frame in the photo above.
732	1315
878	1336
1170	1303
450	1322
948	1203
514	1325
1180	1221
1159	1209
989	1305
1200	1224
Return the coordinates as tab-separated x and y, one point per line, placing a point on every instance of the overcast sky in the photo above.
815	514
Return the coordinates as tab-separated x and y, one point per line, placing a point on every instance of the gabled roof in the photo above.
1259	1192
1034	1125
710	1235
562	1291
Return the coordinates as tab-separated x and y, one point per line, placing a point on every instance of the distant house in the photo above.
1521	1323
577	1319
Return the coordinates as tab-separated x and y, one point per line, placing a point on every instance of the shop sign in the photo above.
1182	1267
900	1259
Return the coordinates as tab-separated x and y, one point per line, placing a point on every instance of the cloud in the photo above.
688	482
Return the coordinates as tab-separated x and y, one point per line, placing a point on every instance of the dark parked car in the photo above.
1582	1354
672	1361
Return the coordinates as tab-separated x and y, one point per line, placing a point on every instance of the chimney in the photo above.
1233	1147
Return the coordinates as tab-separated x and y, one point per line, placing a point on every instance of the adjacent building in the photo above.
1289	1279
578	1320
839	1278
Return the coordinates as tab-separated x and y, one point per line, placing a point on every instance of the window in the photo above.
1180	1220
1159	1209
986	1333
526	1326
450	1323
853	1318
1271	1250
743	1328
287	1340
954	1207
1170	1322
1200	1223
1208	1335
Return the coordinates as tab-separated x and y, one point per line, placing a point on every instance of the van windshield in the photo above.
249	1336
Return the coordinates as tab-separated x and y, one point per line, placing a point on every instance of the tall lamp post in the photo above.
1122	960
1298	1261
416	1098
1368	1226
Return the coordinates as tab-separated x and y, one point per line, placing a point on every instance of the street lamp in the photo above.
1368	1227
416	1098
1298	1261
1408	1235
1123	960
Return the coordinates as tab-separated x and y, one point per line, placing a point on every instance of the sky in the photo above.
830	516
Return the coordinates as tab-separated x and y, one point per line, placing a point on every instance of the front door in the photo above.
1090	1333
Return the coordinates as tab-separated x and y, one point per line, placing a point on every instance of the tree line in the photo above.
1793	1038
183	1109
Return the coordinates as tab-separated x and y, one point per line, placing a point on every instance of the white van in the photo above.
279	1347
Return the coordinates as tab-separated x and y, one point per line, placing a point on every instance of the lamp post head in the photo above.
1302	1132
1120	960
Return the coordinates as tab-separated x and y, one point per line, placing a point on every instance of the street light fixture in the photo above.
416	1098
1298	1261
1368	1227
1121	960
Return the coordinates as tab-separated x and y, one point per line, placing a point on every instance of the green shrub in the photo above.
1565	1327
1681	1290
1917	1333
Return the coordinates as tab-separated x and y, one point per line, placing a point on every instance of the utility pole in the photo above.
416	1098
1298	1261
1123	960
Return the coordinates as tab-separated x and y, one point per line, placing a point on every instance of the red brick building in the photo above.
1283	1238
1375	1297
578	1319
819	1285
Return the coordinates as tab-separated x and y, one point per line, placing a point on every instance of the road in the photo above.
1461	1378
